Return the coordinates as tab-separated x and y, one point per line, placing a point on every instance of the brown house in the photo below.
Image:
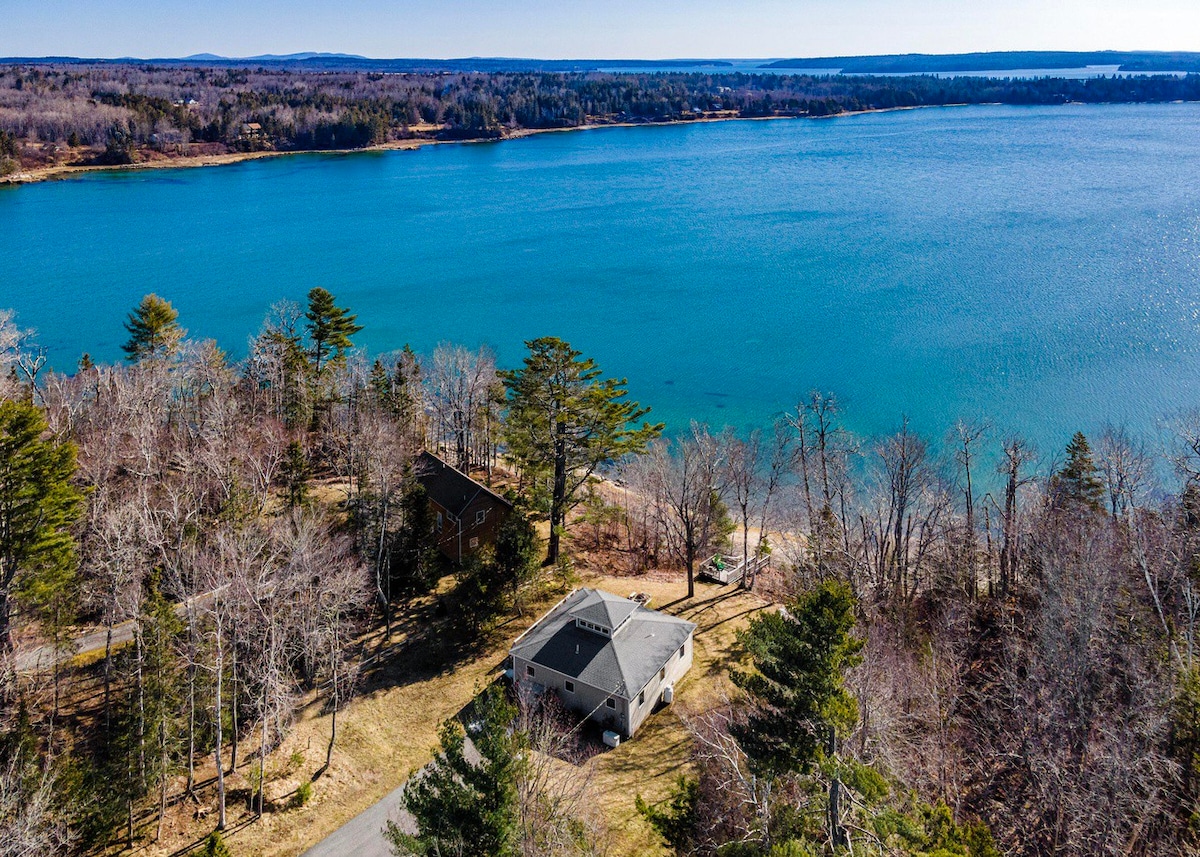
467	514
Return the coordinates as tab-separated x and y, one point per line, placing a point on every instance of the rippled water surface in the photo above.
1040	266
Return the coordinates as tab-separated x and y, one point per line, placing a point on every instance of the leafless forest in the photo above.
1029	615
117	114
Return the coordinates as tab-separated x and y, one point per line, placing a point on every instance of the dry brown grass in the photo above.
653	760
420	679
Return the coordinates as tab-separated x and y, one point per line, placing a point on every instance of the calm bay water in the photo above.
1038	266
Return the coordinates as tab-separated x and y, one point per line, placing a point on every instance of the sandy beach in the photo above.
65	171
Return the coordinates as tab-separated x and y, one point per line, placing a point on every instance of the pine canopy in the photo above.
38	505
153	329
798	662
329	327
564	422
1078	482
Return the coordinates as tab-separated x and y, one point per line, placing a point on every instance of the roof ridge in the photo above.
479	486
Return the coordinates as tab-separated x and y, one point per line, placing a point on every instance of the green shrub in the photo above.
302	795
214	846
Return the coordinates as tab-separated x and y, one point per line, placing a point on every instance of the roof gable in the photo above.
449	487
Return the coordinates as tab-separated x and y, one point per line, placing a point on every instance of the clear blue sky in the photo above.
590	28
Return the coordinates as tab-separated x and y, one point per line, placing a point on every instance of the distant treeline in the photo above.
113	112
1136	61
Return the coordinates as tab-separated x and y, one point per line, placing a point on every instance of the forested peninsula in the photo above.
226	627
77	115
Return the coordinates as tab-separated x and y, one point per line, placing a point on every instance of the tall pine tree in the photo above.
802	708
1077	484
463	807
153	329
38	505
564	422
799	658
329	328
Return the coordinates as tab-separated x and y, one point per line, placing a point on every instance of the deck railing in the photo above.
727	568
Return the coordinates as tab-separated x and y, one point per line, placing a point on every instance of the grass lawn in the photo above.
419	680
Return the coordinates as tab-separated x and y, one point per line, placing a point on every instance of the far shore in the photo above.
66	171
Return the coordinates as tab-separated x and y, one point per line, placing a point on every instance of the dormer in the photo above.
603	614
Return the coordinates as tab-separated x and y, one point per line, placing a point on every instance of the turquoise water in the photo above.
1038	266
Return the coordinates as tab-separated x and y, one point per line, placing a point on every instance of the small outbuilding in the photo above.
467	514
607	657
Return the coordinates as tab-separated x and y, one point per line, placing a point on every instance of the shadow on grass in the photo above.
692	605
427	642
228	833
652	751
704	629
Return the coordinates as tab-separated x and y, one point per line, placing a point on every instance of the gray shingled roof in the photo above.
620	665
451	489
604	609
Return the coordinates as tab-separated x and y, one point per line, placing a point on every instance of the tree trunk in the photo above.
262	762
383	570
56	675
972	576
837	833
191	670
141	697
691	564
333	720
558	497
233	710
218	710
108	682
6	643
746	583
162	776
1008	548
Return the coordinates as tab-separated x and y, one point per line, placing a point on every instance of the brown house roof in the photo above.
449	487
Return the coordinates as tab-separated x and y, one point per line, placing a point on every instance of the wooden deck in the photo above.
728	568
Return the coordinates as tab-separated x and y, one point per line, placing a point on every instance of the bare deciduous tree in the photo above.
461	390
684	480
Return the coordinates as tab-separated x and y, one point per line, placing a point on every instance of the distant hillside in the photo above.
1140	61
351	63
1128	61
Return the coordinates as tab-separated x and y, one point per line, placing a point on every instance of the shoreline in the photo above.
68	171
62	172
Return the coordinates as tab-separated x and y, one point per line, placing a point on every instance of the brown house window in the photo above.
480	517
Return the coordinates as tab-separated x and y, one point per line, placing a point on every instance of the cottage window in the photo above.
662	676
569	686
683	650
529	670
480	517
610	702
641	699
